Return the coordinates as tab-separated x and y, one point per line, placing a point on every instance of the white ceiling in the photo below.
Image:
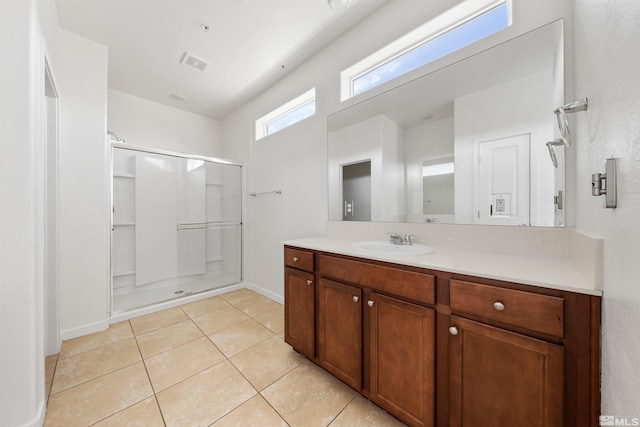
250	44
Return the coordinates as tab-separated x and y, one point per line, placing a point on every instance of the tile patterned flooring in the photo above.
221	361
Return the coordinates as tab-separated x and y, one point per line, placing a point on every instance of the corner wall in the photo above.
145	123
83	187
607	42
27	32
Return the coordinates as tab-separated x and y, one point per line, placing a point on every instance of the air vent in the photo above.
194	62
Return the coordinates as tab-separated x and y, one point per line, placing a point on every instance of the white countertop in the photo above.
546	272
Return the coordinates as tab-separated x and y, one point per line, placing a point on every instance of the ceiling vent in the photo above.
194	62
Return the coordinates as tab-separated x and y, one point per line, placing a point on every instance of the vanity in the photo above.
435	344
488	325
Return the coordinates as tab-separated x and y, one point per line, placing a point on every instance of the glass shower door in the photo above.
176	226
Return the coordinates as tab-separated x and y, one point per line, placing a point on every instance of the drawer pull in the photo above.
309	282
356	299
296	259
370	303
453	330
498	306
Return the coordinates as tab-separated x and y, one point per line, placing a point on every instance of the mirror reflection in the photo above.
464	144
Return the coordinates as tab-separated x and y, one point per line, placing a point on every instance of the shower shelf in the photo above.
120	224
123	176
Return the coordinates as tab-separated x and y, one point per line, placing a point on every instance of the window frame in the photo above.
296	104
432	29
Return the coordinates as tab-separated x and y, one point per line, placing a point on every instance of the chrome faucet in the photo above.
396	239
407	238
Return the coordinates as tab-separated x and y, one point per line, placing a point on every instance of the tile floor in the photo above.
217	362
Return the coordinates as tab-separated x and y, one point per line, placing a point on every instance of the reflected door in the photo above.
356	192
503	181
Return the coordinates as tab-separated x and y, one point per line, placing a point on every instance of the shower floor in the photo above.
127	299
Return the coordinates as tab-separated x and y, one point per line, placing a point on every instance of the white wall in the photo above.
607	42
295	158
146	123
428	141
83	192
378	140
24	37
514	108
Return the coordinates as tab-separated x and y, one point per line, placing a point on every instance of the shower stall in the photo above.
176	226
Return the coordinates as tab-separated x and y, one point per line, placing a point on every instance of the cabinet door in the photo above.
299	313
402	358
500	378
340	331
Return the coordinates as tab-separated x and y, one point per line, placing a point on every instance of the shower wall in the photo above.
176	226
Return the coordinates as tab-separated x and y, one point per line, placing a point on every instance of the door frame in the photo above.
51	117
341	181
476	174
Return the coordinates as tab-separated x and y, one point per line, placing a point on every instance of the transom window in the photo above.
286	115
456	28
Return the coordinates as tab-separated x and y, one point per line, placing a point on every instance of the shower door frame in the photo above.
141	149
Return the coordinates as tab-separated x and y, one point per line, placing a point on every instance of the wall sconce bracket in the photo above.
606	184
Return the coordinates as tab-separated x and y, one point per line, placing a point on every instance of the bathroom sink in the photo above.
375	247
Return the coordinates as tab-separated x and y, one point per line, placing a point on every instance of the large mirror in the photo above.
465	144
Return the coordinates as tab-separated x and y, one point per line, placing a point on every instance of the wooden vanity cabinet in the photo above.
400	348
500	378
522	356
375	337
402	358
441	349
299	296
340	330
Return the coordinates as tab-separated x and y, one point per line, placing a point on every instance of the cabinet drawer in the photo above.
540	313
407	284
298	258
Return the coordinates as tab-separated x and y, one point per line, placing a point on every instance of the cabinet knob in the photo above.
296	259
498	306
370	303
309	282
356	299
453	330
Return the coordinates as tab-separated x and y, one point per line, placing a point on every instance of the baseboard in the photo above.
119	317
38	420
84	330
265	292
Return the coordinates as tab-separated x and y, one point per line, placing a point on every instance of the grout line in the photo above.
53	377
51	393
143	360
101	345
343	409
108	373
153	389
272	407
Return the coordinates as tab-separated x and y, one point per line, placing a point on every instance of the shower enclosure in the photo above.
176	226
